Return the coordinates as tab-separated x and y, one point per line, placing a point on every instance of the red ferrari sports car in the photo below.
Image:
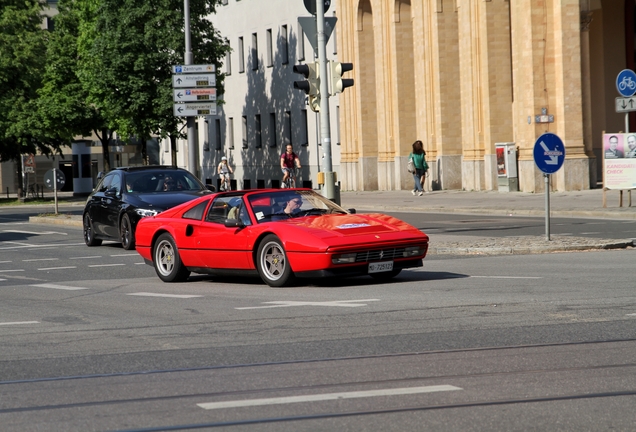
279	234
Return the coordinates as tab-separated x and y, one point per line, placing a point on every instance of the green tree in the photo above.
22	61
63	107
127	67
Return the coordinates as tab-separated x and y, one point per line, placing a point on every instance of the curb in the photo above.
527	250
66	220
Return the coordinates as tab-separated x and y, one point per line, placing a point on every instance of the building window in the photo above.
254	51
217	134
241	55
272	130
258	141
288	128
244	131
303	128
230	132
301	43
270	54
337	124
334	37
228	63
284	43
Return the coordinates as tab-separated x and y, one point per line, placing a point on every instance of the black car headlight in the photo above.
412	251
343	258
146	212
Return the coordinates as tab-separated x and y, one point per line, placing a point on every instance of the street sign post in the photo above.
194	94
310	5
549	155
194	109
626	83
54	179
181	69
625	104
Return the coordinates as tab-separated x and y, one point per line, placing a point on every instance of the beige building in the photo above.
463	75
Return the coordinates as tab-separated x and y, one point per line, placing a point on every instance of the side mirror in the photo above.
210	187
351	211
111	192
234	223
100	175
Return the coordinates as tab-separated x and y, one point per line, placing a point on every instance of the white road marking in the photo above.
88	257
146	294
106	265
60	287
41	259
327	396
140	263
126	255
338	303
2	280
34	232
20	245
5	262
7	271
56	268
19	322
634	314
508	277
590	233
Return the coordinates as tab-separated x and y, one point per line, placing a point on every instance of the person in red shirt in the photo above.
287	162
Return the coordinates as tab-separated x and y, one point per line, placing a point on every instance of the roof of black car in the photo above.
148	168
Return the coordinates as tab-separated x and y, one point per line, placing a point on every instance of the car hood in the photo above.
340	225
163	200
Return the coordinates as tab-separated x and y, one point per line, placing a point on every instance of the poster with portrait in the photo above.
619	161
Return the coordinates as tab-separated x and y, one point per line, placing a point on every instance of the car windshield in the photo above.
275	206
161	181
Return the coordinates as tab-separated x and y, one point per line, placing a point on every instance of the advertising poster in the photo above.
619	161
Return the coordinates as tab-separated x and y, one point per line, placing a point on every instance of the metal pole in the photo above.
626	122
55	188
192	142
325	126
547	206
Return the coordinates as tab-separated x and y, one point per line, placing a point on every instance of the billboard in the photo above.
619	161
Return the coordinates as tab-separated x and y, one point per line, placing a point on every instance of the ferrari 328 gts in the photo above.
279	234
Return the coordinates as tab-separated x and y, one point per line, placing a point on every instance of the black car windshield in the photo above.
286	204
161	181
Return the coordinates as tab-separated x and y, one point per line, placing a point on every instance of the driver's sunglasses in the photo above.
299	202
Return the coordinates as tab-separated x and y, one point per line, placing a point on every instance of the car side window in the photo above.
105	183
196	212
116	184
224	207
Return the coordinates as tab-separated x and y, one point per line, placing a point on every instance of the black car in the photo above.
125	195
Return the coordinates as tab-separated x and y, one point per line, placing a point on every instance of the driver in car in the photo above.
291	208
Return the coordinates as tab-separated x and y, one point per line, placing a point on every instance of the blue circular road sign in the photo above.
549	153
626	83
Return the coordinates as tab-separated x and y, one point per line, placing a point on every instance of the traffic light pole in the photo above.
192	143
325	126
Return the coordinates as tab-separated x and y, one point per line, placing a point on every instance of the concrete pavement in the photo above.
588	203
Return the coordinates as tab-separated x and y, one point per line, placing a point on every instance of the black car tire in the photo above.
167	262
272	263
126	233
385	276
89	233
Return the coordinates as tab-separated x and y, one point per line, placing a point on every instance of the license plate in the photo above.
378	267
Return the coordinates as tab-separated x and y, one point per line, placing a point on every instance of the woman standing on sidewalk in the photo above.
421	167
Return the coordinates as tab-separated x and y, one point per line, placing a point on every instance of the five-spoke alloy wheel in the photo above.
167	261
272	262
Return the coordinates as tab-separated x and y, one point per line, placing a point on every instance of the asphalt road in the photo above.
93	340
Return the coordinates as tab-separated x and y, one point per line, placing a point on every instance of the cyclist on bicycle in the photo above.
224	170
287	162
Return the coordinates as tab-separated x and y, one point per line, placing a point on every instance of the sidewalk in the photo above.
588	203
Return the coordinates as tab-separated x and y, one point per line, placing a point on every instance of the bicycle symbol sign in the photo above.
626	82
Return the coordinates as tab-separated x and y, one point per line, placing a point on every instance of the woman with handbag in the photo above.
420	167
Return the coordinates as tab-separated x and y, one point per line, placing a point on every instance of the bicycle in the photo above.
290	183
226	185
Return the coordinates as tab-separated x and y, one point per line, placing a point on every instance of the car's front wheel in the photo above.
89	233
167	261
272	263
126	233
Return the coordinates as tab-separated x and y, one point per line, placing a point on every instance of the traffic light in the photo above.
311	72
338	83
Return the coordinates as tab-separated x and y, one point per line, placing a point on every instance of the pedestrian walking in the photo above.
418	155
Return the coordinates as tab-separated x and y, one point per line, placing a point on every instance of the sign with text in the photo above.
208	68
194	80
194	109
194	94
619	161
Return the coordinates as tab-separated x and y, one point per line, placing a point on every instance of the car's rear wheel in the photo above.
126	233
167	261
385	276
89	233
272	263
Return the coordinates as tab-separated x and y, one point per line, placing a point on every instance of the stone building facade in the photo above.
463	75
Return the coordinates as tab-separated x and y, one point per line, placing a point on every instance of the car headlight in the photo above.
412	251
146	212
344	258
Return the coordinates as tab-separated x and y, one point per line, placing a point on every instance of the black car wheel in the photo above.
89	234
126	233
167	261
385	276
272	263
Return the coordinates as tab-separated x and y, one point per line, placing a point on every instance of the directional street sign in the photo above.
549	153
625	104
194	80
194	95
626	83
193	68
194	109
308	25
